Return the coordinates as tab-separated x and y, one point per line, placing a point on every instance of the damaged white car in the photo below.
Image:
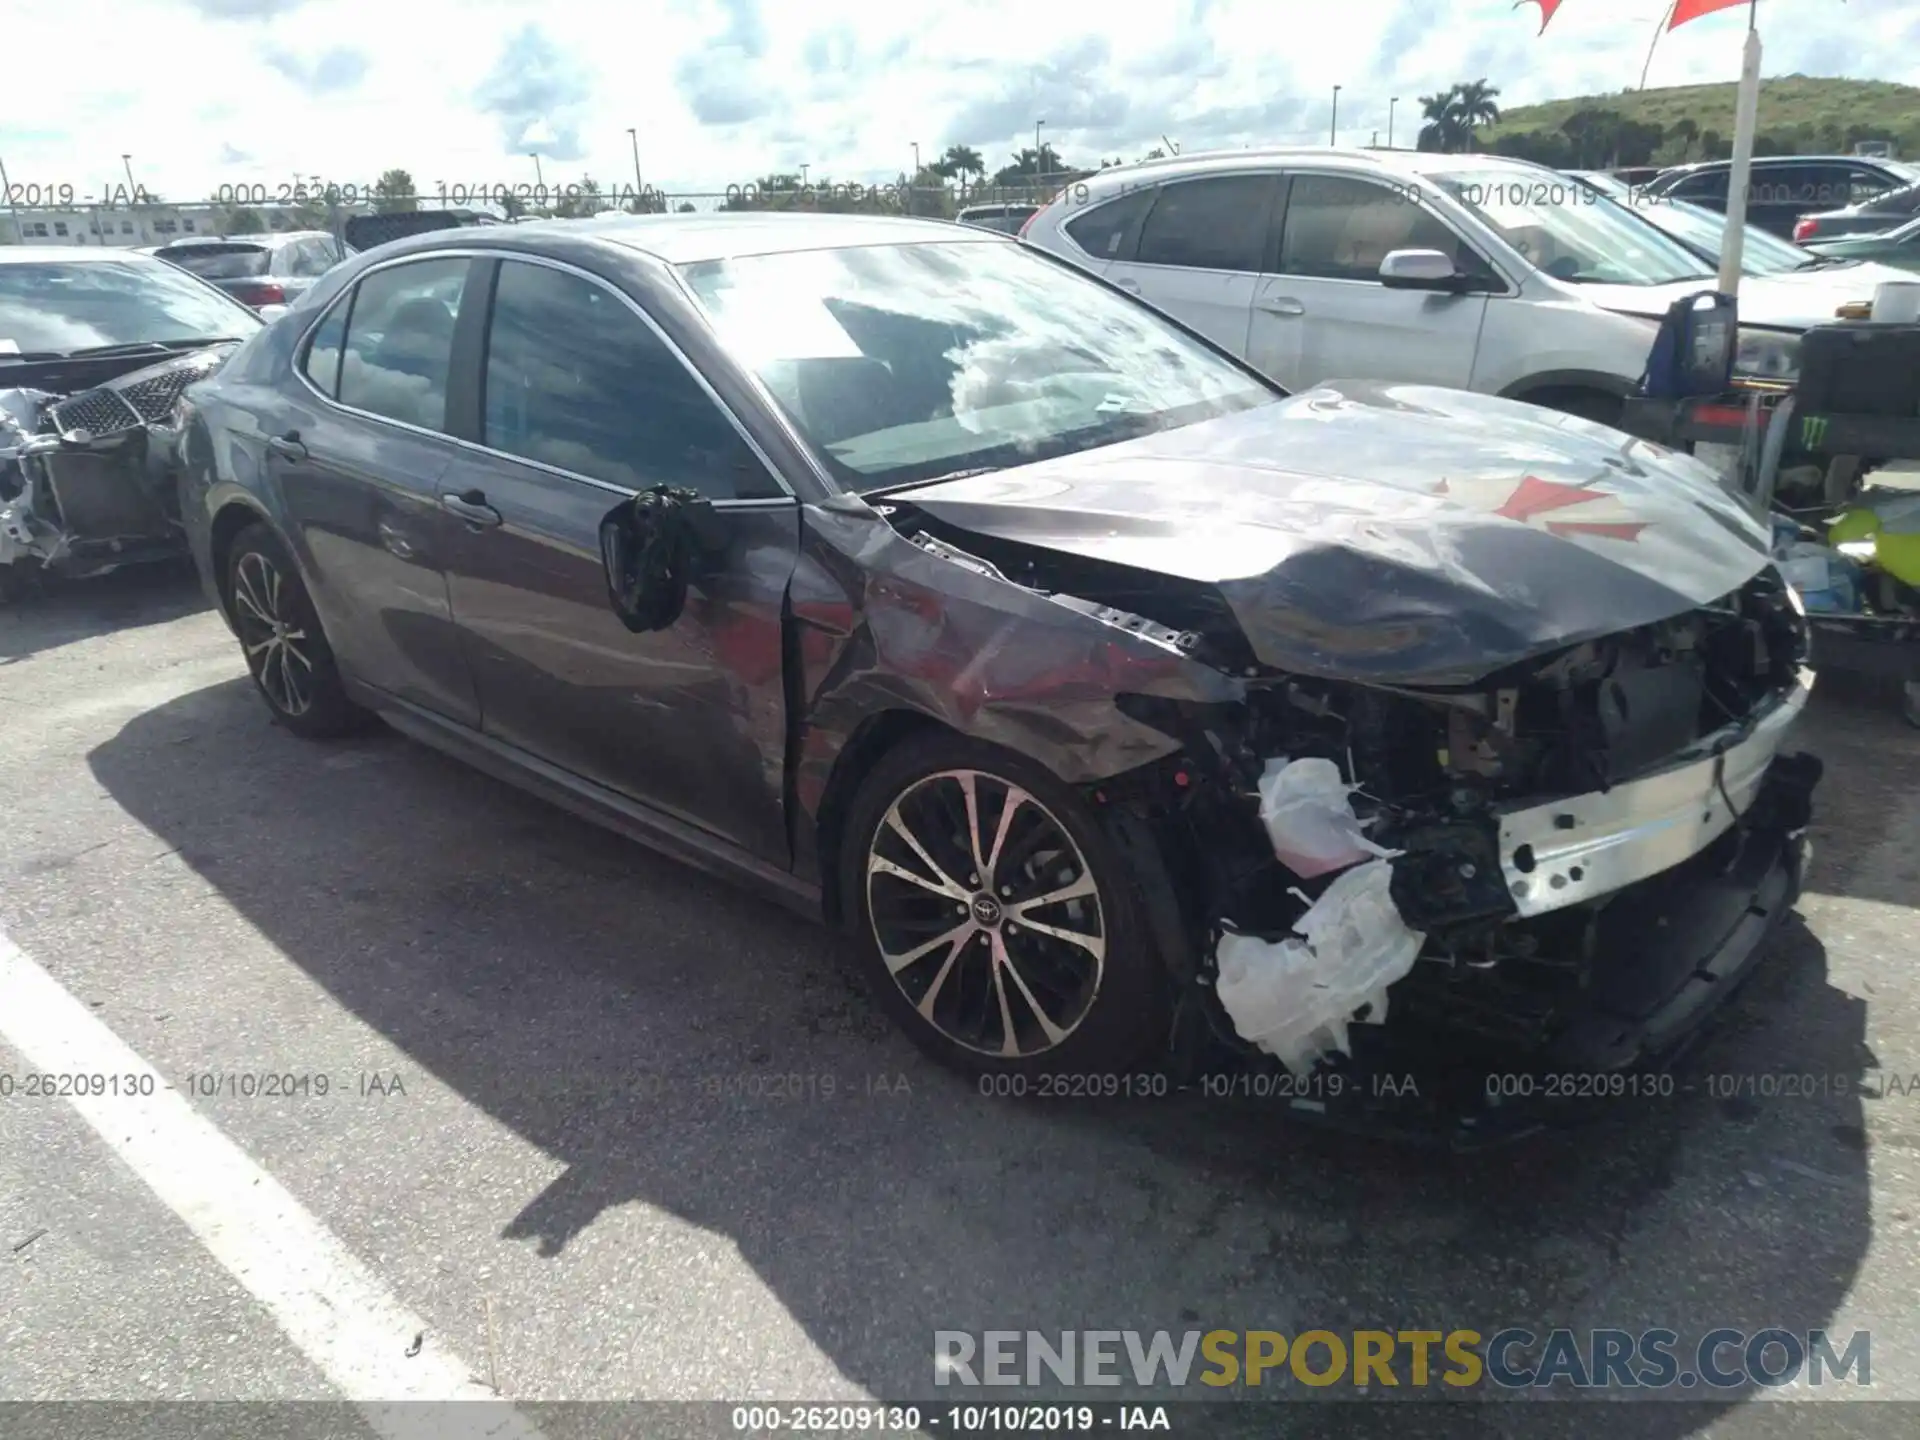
96	347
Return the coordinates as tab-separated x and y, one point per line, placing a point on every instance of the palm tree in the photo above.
959	160
1442	128
1473	106
1452	115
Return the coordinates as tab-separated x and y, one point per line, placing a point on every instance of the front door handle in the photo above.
1132	287
471	506
1281	305
287	446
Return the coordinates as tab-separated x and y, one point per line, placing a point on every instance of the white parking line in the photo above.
354	1330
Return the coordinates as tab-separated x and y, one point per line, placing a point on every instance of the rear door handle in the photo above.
471	506
1132	287
287	446
1281	305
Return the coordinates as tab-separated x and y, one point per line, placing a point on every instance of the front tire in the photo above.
280	635
1594	405
998	924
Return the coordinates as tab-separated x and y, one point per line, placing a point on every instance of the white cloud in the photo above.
458	91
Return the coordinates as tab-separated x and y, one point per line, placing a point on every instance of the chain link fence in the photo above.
239	210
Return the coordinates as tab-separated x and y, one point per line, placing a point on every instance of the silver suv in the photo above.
1471	271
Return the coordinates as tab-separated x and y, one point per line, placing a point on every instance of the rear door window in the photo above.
321	362
1106	231
221	262
1801	186
1219	223
399	341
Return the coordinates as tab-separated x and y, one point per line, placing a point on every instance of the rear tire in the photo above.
998	924
281	638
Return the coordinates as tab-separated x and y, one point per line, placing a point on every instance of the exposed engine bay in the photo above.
1553	868
87	480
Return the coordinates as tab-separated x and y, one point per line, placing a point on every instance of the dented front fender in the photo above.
882	624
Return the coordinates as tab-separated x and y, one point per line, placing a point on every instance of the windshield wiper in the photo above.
141	347
111	352
107	352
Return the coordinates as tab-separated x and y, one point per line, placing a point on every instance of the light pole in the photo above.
1039	151
1333	123
13	204
539	180
804	182
633	134
1391	102
127	161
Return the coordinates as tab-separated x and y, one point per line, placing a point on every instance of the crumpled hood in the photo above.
1396	533
1796	301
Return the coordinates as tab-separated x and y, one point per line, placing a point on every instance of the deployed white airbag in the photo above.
1294	997
1308	812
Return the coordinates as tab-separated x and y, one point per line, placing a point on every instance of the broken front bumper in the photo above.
1472	1059
1576	849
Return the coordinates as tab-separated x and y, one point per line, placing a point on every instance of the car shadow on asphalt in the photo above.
61	612
680	1045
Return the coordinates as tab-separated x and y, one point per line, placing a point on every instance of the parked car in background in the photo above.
363	232
1007	219
1761	252
1783	188
257	270
97	346
1886	211
934	587
1899	248
1473	271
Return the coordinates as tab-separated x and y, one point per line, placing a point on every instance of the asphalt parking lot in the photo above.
543	1135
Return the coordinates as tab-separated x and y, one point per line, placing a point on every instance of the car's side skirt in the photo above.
592	802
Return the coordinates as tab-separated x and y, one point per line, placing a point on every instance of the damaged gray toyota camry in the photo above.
1132	715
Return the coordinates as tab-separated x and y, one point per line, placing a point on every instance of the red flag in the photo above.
1685	10
1547	7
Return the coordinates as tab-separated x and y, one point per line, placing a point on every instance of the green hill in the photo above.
1798	114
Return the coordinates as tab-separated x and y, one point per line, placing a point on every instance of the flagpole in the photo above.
1745	118
1666	17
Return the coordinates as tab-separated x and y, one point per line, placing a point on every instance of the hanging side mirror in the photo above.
649	546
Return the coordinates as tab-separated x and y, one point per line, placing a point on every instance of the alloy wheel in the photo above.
986	913
274	639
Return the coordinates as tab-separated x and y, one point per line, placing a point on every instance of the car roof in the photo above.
1386	162
83	254
1881	162
715	235
266	239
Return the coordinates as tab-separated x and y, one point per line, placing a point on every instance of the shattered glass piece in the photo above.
1308	811
1294	998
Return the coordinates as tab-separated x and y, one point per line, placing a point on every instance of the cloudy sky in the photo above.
205	92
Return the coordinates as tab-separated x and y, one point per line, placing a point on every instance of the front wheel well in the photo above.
1589	402
871	739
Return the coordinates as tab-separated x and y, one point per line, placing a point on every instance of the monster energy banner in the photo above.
1813	431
